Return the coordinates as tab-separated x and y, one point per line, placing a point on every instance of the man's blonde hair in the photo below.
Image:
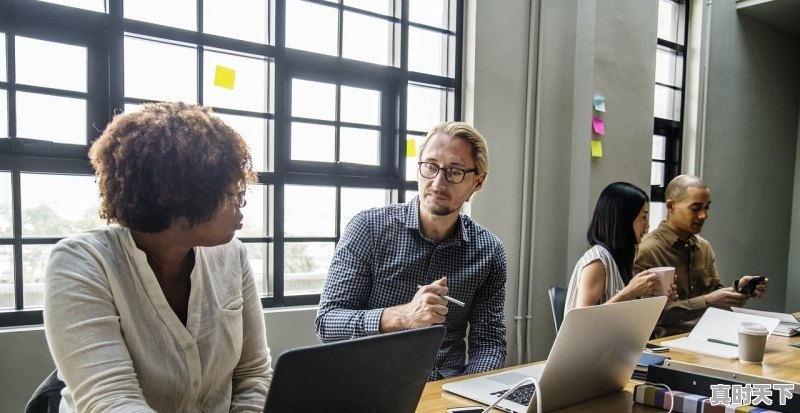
480	150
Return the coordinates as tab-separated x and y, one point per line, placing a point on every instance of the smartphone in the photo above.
750	288
466	409
655	348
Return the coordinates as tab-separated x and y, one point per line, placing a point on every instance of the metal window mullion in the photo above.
11	77
458	56
281	150
19	297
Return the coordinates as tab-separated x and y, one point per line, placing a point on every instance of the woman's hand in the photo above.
644	284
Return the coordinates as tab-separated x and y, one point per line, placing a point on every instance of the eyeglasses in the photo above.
452	175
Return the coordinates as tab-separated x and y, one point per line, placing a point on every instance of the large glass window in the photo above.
331	96
668	102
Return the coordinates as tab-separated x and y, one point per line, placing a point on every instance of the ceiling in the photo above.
782	14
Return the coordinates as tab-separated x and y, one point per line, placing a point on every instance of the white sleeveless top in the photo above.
614	283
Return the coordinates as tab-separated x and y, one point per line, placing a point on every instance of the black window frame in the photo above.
104	35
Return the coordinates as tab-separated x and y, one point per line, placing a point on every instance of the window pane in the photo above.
236	82
410	195
58	205
3	57
312	142
260	200
659	147
429	52
355	200
667	103
412	156
314	100
309	211
260	257
658	213
258	133
429	12
668	20
93	5
306	266
176	13
50	64
66	118
376	6
174	79
657	173
7	276
3	113
360	146
6	209
241	19
360	105
668	67
34	264
427	107
312	27
367	39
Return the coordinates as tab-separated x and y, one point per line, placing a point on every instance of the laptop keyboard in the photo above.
522	395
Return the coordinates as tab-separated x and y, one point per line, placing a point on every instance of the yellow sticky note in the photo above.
597	149
411	148
224	77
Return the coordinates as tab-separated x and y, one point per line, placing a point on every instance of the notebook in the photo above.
594	354
789	325
720	326
383	373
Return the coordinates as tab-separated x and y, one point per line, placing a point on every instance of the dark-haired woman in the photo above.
159	311
604	272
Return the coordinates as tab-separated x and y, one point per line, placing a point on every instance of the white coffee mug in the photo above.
667	277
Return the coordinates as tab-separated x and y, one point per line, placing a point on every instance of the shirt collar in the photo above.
674	239
412	223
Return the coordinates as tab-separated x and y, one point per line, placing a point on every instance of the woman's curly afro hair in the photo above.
170	160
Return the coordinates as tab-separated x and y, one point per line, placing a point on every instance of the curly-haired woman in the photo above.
159	311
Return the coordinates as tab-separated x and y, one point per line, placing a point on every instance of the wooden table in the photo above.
781	361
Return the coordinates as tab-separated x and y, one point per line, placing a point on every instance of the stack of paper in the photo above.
788	326
717	333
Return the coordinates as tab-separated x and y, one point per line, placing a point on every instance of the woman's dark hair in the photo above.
167	161
612	224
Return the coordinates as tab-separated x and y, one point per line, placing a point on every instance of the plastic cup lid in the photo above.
753	328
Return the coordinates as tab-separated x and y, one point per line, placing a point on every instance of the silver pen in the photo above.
448	298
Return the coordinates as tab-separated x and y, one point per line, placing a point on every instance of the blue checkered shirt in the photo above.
382	257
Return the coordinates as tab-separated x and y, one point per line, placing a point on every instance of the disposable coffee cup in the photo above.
666	275
752	341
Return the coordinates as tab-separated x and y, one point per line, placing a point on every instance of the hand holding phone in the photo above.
750	287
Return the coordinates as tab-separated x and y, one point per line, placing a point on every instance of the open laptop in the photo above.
594	354
383	373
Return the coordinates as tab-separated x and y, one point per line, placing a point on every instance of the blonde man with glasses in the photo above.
413	265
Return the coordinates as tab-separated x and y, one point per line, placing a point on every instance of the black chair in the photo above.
47	396
558	299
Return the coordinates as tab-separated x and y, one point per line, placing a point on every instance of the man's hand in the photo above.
761	288
425	309
725	298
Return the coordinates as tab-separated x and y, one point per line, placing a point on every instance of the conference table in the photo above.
781	362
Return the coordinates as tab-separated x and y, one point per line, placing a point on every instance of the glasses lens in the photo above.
428	170
455	175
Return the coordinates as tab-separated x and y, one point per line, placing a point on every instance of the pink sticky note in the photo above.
598	127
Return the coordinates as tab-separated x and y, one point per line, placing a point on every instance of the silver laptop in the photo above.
594	354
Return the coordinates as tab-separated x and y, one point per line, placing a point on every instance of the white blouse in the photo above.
119	347
614	283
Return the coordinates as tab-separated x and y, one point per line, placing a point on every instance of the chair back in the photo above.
47	396
558	300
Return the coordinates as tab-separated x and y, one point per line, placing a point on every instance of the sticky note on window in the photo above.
598	127
597	149
224	77
600	103
411	148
